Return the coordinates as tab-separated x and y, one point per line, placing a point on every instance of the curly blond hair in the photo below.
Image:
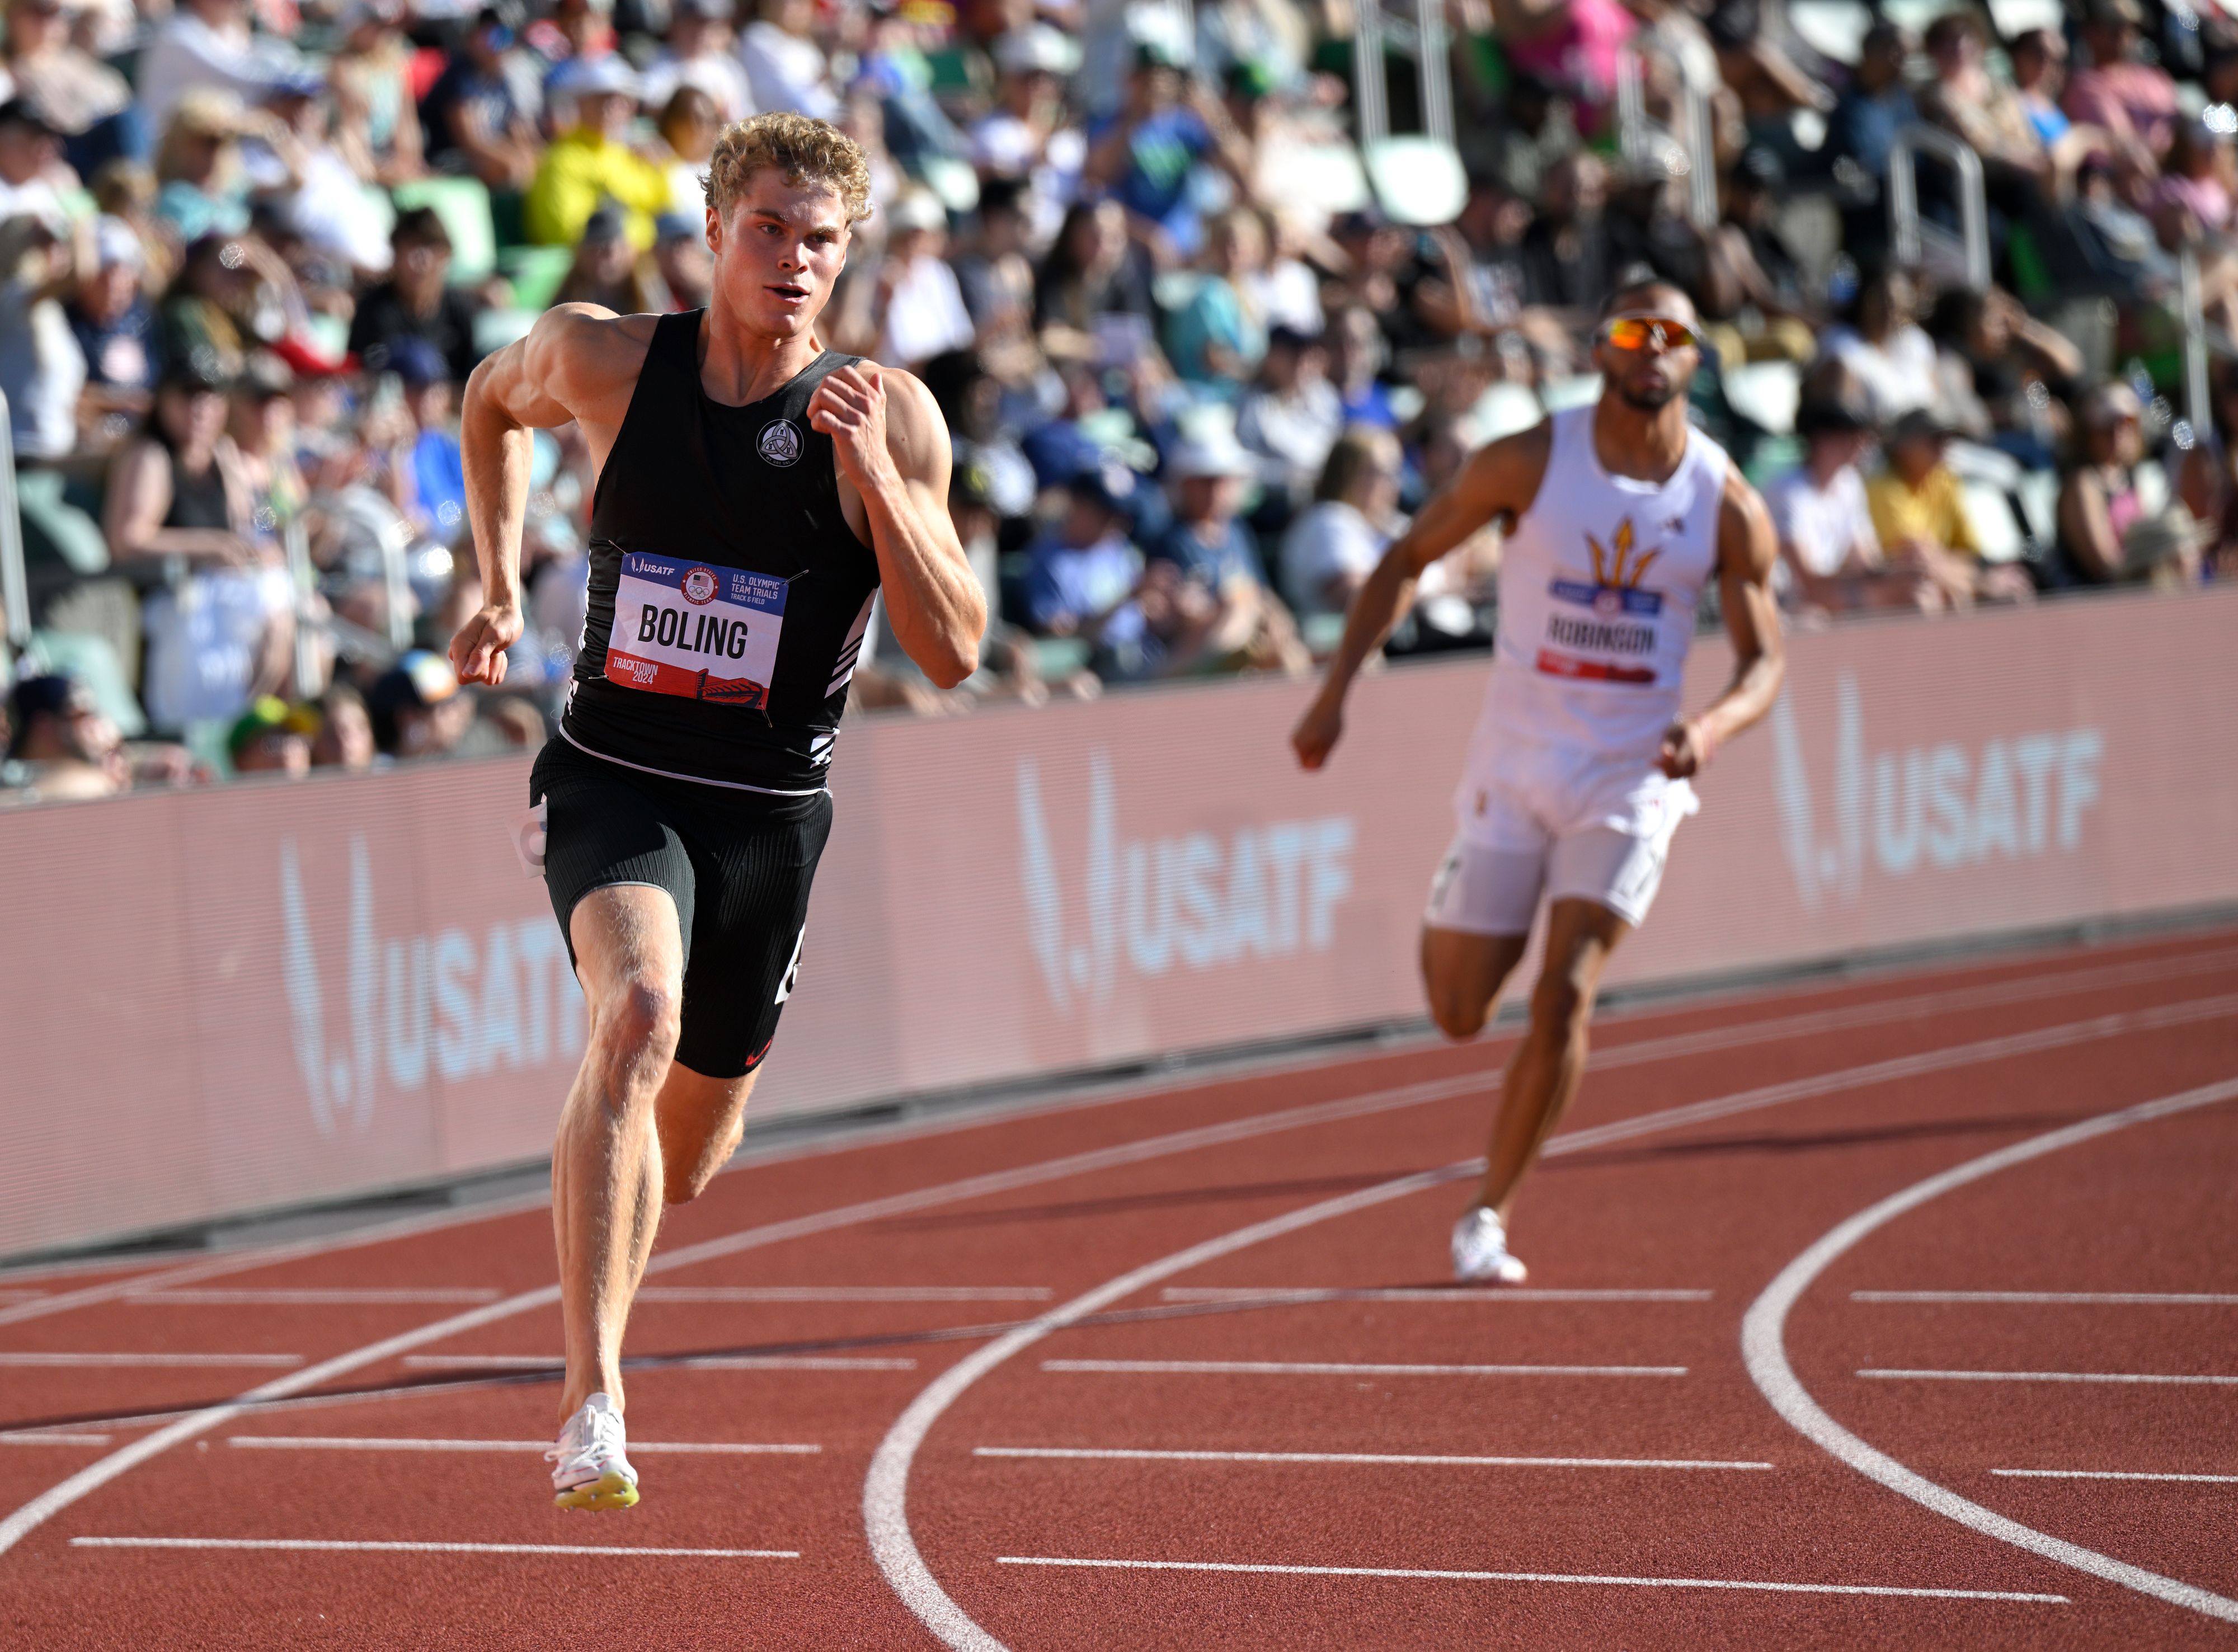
807	151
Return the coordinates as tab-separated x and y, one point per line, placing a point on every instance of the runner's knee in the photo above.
638	1018
1560	1006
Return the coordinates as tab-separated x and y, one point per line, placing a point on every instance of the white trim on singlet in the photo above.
697	780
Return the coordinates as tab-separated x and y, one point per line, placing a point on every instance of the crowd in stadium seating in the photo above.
1197	364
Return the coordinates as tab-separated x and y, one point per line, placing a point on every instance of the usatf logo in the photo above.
1616	573
779	442
699	586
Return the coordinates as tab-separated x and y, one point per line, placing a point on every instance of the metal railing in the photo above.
2197	407
15	579
1913	238
1376	29
1696	136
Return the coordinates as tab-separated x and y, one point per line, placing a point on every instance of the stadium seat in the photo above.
1319	177
495	329
1997	529
463	204
1833	28
2153	493
1418	180
1559	393
1503	409
1765	394
2038	494
536	274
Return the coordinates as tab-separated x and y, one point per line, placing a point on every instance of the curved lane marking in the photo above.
1763	1347
885	1489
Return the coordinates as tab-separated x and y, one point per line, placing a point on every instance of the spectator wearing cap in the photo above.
689	125
1029	134
417	300
42	366
89	103
1292	415
1919	513
1330	551
479	117
271	738
1083	568
1210	471
607	270
2099	502
1147	154
682	262
378	119
221	633
66	749
919	307
206	45
785	69
417	709
1218	338
1827	543
114	323
2133	102
330	207
203	188
30	158
591	162
700	53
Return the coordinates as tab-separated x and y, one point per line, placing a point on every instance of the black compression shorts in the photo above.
738	864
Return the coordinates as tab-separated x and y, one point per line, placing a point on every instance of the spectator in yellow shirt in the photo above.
590	163
1919	513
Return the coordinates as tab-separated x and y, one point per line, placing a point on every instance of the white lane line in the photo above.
885	1487
313	1545
368	1443
1764	1348
1278	1293
277	1297
1302	1368
2114	1474
846	1293
2048	1377
1407	1459
1439	1575
32	1437
20	1296
99	1361
697	1362
29	1517
2084	1299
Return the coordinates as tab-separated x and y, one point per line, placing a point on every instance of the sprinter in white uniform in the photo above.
1618	516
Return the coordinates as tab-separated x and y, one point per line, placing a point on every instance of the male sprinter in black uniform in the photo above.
755	491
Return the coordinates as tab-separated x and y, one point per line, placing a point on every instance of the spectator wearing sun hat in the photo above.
1209	473
590	163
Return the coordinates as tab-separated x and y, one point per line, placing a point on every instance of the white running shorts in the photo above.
1564	828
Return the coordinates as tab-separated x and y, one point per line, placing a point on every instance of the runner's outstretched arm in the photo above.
1747	547
1500	479
893	447
572	357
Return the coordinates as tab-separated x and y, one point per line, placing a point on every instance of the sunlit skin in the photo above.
1639	431
640	1132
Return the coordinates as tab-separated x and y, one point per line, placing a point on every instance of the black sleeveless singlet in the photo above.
729	598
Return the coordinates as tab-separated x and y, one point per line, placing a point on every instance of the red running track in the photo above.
1845	1323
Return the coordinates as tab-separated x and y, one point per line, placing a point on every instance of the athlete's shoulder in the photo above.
1746	535
591	341
1505	474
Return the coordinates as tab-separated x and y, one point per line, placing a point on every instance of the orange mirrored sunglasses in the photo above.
1635	331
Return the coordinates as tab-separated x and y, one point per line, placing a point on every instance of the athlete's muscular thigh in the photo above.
629	955
1462	974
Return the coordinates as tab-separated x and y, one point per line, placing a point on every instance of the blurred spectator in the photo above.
1965	99
203	190
435	498
1357	353
2206	480
607	270
416	709
379	116
1292	415
1332	548
1919	513
2039	67
30	161
2000	372
1093	271
479	117
2195	183
1876	106
2133	102
344	738
1566	254
89	103
591	160
67	749
270	738
1218	337
996	277
263	431
2099	502
1084	568
1885	348
784	66
114	323
1147	156
1827	543
1027	135
699	54
206	46
220	630
326	203
417	300
690	123
680	258
1210	472
41	365
919	307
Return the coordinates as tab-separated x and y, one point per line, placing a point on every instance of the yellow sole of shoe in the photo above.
609	1491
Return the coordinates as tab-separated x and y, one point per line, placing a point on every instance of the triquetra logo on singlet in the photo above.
779	442
1623	615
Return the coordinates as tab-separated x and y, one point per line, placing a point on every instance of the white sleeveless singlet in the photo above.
1598	584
